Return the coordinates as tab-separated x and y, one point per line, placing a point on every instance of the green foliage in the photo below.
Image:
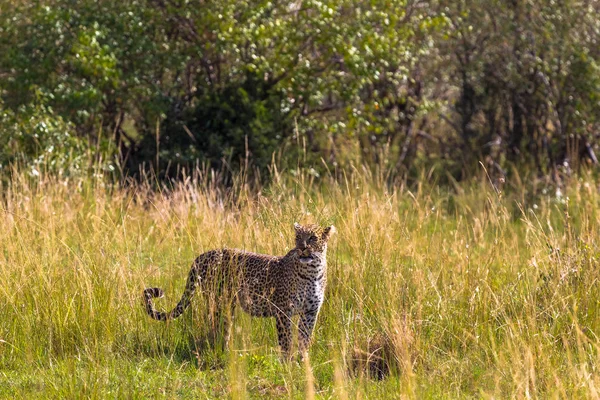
528	81
38	140
401	85
239	122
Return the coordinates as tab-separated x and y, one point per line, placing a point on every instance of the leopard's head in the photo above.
311	242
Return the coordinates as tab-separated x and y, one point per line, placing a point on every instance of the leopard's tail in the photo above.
190	288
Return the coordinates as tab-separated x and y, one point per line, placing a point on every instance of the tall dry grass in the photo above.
463	293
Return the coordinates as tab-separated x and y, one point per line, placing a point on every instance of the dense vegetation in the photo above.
406	84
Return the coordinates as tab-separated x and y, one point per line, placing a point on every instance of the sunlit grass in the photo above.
473	293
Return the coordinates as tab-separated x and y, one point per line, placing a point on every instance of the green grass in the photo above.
474	294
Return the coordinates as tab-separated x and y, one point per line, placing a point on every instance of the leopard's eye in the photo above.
313	238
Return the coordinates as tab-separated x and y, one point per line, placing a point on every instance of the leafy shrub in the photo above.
38	139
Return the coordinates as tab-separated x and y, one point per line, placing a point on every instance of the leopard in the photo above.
263	285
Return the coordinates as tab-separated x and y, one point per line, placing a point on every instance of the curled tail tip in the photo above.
151	293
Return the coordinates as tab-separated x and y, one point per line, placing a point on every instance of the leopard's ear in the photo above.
327	232
297	226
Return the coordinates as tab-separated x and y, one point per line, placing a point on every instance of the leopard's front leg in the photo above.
284	332
308	318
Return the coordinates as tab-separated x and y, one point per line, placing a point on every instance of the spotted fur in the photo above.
263	285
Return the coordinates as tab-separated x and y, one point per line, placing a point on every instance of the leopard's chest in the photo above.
309	294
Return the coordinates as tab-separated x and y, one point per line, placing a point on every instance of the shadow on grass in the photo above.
205	350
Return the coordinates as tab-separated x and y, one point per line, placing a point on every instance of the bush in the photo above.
39	140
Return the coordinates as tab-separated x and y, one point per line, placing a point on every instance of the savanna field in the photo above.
454	145
464	293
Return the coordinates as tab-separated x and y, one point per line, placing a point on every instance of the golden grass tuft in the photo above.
376	359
